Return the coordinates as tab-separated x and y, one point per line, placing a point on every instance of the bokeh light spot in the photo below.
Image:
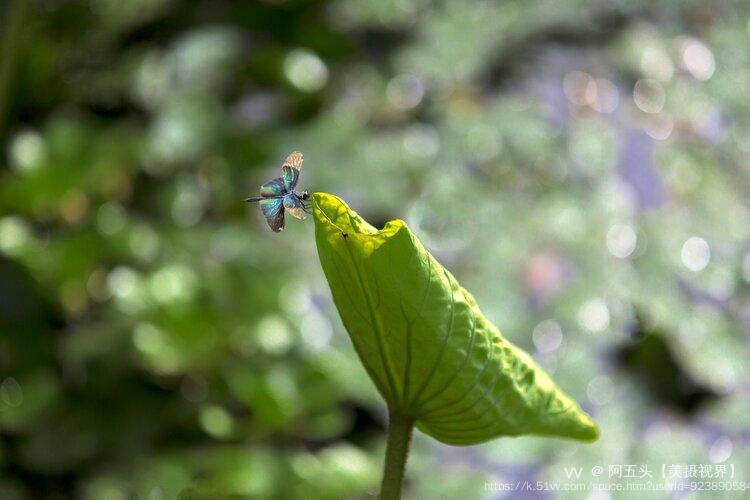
74	206
698	59
594	315
273	335
27	151
405	91
695	253
15	234
547	336
216	421
660	127
721	449
305	70
649	96
187	208
148	338
110	218
174	283
11	392
621	240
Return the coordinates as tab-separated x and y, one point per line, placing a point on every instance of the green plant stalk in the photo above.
400	429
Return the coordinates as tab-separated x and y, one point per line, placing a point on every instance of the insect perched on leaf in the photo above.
278	195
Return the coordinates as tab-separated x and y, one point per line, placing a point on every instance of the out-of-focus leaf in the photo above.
426	345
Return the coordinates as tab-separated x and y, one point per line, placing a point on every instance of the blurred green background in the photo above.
581	167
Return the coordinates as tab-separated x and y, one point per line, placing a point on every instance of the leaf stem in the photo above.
400	429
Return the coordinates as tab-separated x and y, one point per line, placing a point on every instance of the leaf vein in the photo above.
491	387
468	390
465	362
443	345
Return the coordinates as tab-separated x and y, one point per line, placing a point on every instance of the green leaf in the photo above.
426	345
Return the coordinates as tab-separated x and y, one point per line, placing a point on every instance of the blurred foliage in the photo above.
578	166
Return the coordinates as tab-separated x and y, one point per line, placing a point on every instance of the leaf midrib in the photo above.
377	326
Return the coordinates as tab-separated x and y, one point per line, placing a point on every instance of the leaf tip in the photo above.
589	430
331	213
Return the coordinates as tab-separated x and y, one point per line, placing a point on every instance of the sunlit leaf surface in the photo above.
425	343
